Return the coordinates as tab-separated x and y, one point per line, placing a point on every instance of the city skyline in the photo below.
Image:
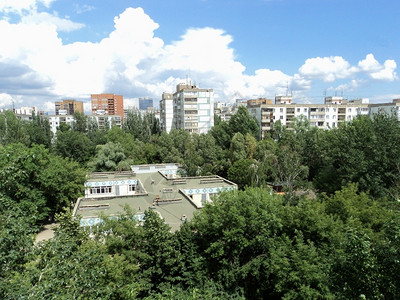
260	48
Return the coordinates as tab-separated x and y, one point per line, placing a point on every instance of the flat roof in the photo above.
170	197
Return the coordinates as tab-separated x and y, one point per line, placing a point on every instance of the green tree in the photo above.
38	130
243	172
364	151
74	145
238	147
17	230
41	183
12	129
246	245
80	123
110	157
73	266
244	123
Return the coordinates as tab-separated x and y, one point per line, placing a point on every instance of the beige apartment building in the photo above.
334	111
68	107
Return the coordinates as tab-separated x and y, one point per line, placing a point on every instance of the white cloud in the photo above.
49	19
377	71
5	100
351	86
19	6
48	106
134	62
327	69
387	73
369	64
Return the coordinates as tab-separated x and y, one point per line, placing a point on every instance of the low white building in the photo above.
158	187
56	120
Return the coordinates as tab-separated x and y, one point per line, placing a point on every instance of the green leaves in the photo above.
42	183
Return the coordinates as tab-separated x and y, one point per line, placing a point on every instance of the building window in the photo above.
101	190
281	109
298	109
305	109
132	187
281	117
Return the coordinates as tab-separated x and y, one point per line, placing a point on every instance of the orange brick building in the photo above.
108	104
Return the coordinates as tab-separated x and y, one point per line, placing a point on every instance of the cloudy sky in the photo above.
58	49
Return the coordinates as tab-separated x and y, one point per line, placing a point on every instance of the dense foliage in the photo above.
341	243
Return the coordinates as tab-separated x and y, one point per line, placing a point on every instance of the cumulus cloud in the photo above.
377	71
387	73
134	62
369	64
327	69
5	100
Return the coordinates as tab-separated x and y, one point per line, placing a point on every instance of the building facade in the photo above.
68	107
106	122
193	109
166	112
108	104
56	120
390	108
145	103
334	111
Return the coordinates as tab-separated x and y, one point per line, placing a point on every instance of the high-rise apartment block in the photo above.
107	104
68	107
334	111
166	112
193	109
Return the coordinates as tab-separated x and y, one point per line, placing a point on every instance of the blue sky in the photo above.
59	49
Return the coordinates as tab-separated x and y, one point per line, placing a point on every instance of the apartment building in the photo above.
193	109
334	111
105	121
25	113
108	104
388	108
56	120
68	107
166	112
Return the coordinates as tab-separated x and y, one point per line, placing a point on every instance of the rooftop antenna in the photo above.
13	108
342	93
324	93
